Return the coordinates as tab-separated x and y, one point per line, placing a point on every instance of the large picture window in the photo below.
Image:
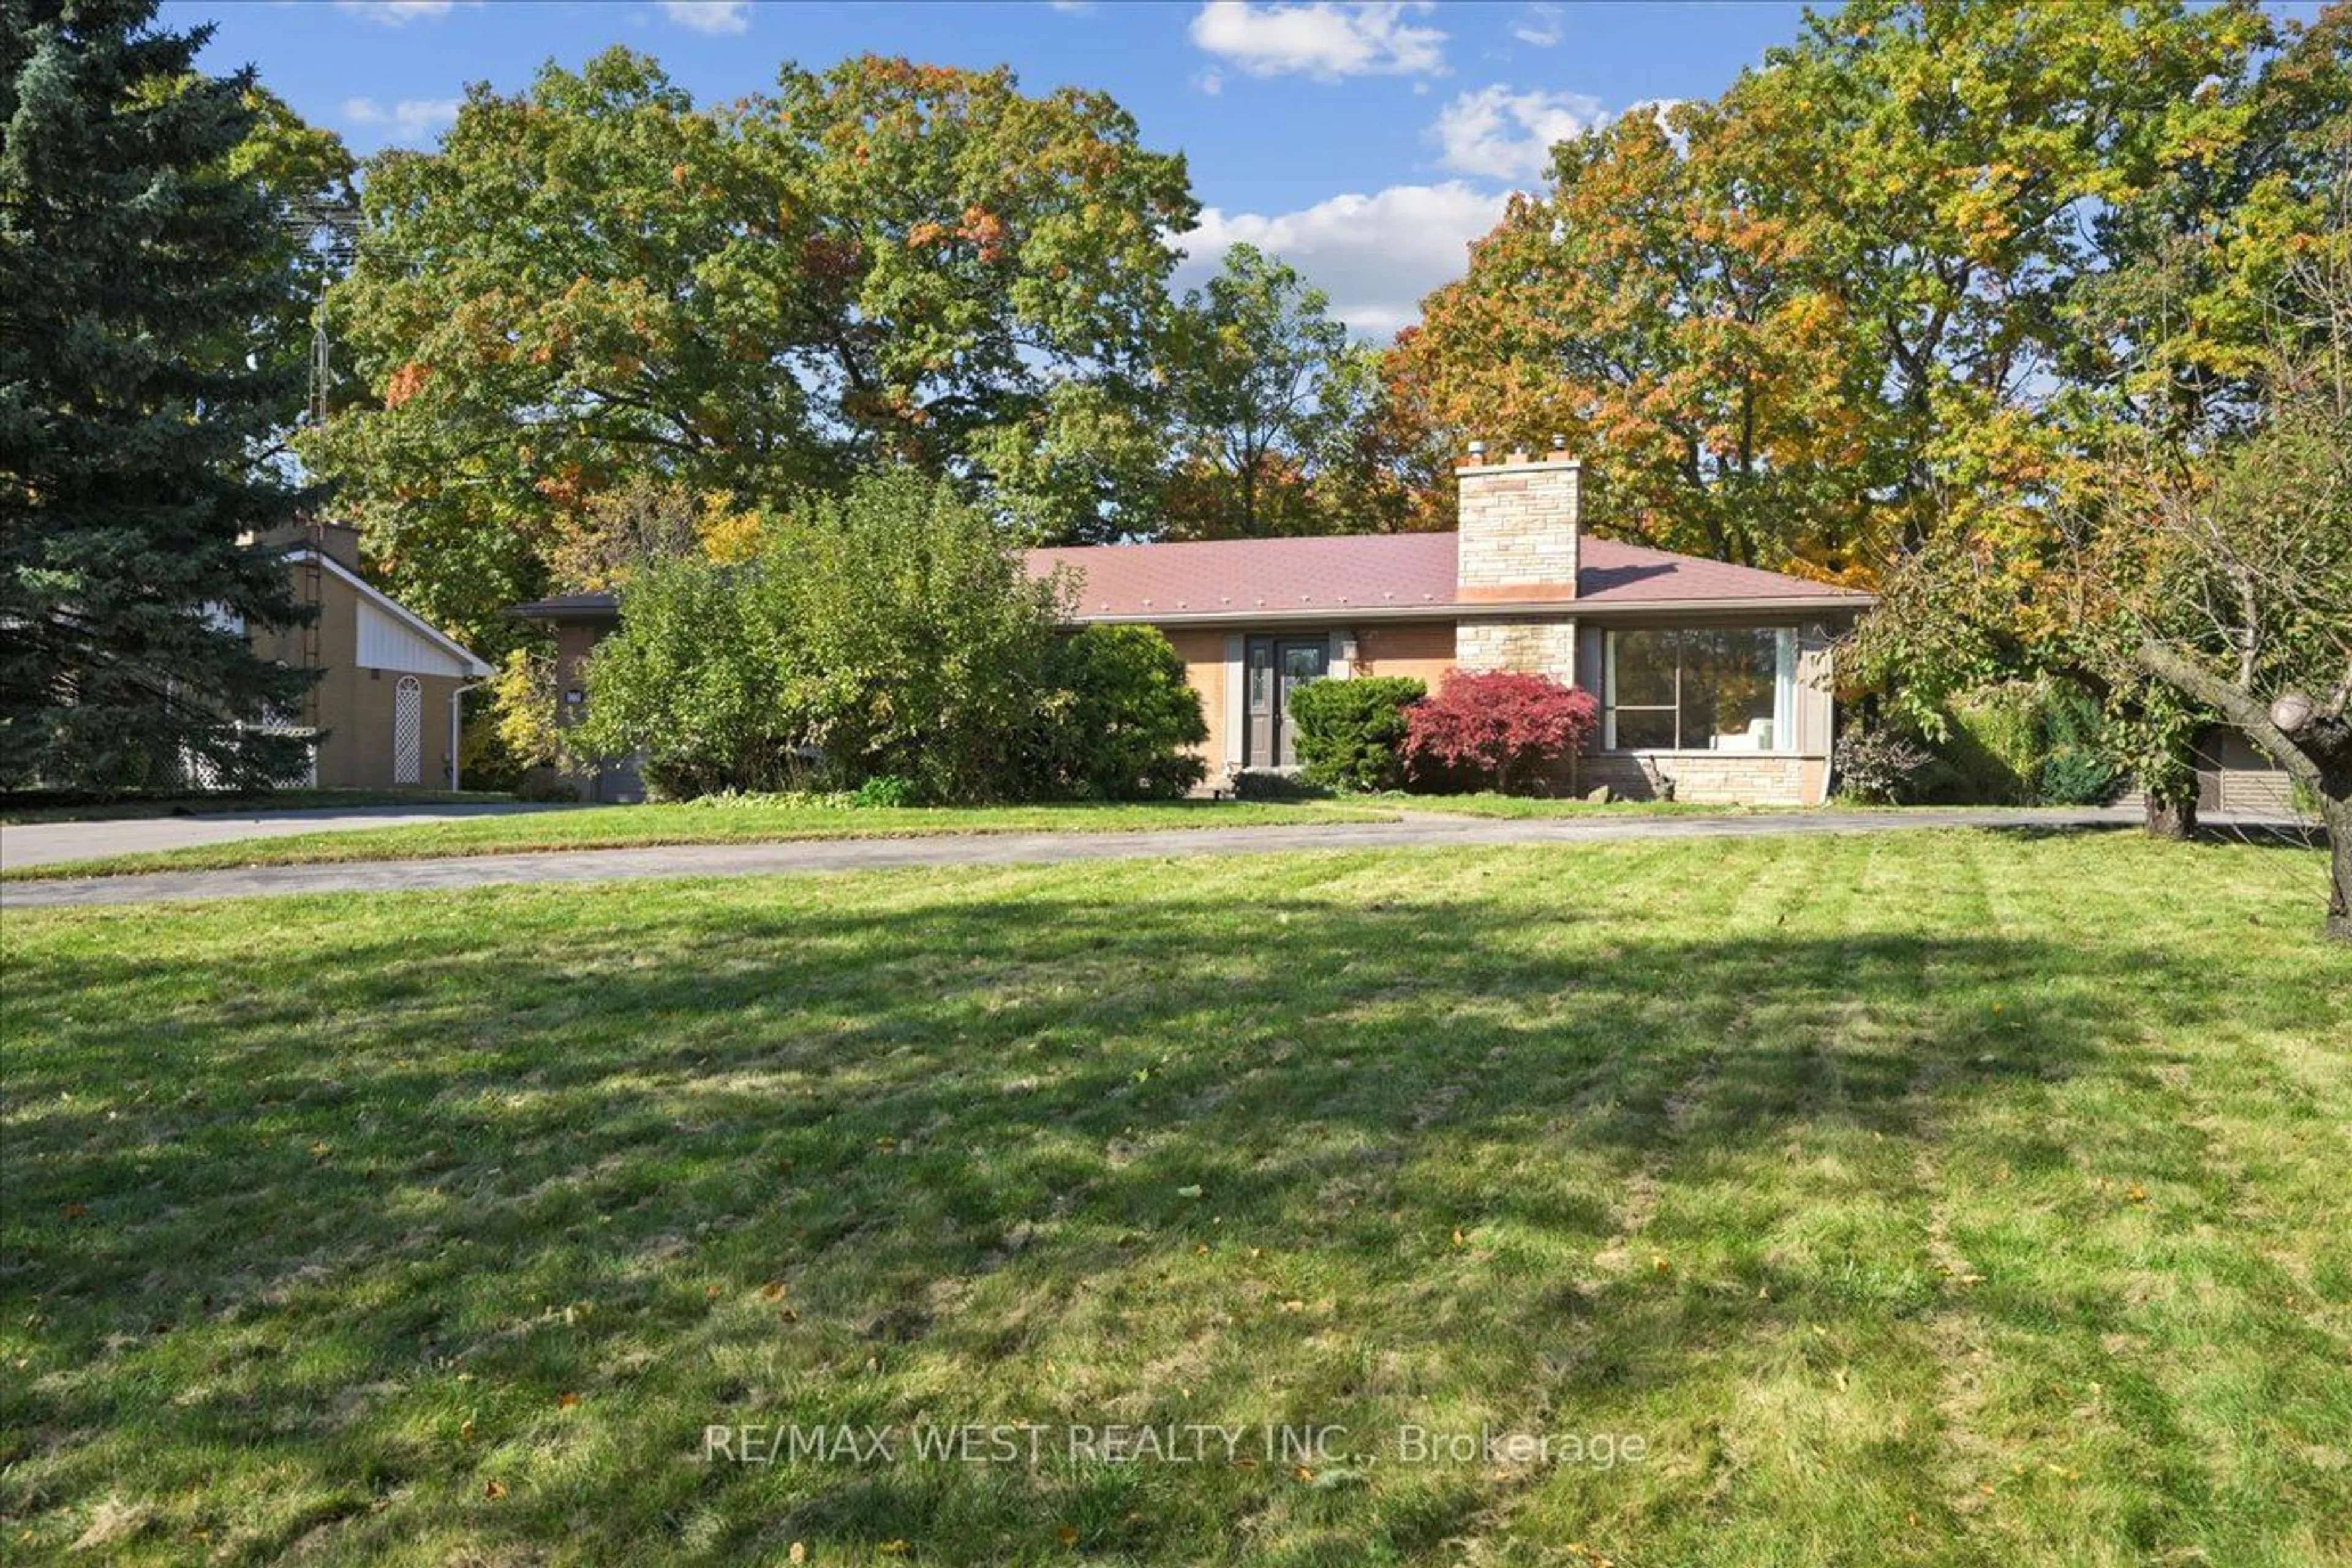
1701	689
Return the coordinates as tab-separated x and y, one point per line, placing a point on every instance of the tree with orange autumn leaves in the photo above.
1654	322
1822	320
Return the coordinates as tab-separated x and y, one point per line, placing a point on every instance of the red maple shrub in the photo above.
1499	724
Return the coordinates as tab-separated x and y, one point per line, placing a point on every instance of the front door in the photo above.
1278	667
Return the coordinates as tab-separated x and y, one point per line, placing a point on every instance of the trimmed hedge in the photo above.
1350	734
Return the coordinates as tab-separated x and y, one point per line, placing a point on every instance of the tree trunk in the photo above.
2318	756
2171	816
2337	815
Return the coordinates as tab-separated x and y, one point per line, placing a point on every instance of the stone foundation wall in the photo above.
1731	778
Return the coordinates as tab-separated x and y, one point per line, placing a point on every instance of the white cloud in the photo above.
410	119
1375	255
1540	23
396	13
709	16
1071	7
1508	135
1322	40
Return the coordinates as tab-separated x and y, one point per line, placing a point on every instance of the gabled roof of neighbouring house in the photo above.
1400	573
468	664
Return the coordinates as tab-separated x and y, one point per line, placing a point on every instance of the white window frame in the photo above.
1784	694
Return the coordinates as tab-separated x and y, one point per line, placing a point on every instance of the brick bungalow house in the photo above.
1714	678
383	710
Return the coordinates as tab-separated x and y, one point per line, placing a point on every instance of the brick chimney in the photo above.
1519	518
339	542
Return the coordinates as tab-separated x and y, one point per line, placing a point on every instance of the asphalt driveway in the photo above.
1415	832
42	843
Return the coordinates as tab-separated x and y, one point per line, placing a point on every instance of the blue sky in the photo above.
1365	143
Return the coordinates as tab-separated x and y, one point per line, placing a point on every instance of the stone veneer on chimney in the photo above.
1518	522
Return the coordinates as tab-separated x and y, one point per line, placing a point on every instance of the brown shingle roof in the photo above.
1388	572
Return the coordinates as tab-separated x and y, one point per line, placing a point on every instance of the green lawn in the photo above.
641	826
1925	1199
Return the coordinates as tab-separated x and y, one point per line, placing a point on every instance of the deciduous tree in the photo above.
1818	323
1267	395
1648	309
597	278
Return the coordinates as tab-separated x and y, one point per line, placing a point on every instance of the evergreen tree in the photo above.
140	277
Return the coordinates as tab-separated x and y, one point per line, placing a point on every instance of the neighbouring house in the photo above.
1714	679
578	622
2234	777
384	707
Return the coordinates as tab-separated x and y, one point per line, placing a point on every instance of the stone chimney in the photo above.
1519	518
1518	524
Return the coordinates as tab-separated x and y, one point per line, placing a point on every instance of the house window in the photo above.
1701	689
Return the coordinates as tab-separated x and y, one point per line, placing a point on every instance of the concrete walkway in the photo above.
1413	832
45	843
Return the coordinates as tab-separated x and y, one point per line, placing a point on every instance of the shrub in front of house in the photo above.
1509	729
1877	766
1351	734
885	792
1991	753
692	680
913	638
2019	743
889	643
2078	767
1118	721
